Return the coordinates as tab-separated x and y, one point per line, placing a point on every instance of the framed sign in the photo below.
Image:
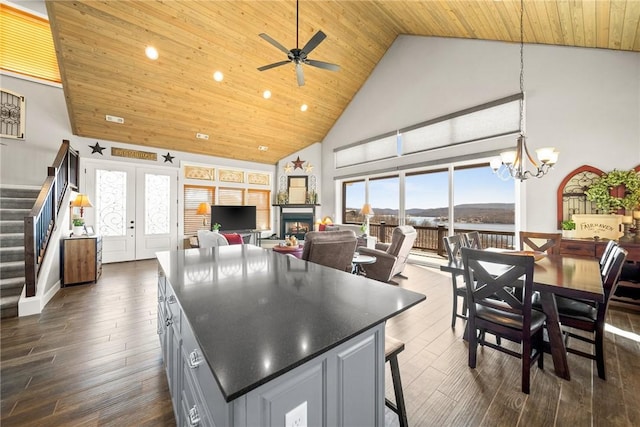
297	190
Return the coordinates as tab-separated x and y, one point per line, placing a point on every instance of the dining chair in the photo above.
453	244
494	308
472	240
606	254
541	242
590	318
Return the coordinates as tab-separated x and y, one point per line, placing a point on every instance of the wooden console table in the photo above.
595	248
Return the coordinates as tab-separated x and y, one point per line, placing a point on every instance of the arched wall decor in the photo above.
570	195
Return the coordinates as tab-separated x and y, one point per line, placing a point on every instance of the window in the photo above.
482	202
384	198
193	196
262	201
427	198
26	45
353	193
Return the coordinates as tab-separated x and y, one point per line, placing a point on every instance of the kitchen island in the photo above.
255	338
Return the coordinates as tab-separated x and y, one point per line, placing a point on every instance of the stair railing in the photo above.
41	221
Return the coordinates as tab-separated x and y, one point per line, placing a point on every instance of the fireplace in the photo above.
296	224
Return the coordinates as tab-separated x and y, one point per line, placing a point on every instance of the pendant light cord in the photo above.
298	26
522	66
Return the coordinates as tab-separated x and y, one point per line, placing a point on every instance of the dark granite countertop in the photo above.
258	314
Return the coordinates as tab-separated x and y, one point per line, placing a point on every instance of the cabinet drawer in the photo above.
197	367
578	248
194	410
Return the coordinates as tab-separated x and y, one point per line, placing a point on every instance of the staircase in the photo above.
15	204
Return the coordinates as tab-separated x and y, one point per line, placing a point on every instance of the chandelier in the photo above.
513	164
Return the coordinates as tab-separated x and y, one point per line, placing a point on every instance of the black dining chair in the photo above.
583	316
606	254
453	244
490	278
541	242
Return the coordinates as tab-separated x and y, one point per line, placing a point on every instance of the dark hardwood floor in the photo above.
92	358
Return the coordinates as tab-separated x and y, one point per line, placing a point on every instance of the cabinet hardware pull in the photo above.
169	321
172	299
160	298
194	359
194	417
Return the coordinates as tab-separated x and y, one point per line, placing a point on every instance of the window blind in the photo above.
193	196
378	149
26	45
261	199
230	196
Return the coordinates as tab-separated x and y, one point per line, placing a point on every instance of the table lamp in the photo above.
367	211
204	209
81	201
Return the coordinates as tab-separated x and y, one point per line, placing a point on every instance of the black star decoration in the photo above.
168	157
97	149
297	163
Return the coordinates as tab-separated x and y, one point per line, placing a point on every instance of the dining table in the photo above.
557	275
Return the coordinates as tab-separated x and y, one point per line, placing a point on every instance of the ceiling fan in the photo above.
299	56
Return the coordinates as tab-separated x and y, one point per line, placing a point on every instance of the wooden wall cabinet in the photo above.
80	259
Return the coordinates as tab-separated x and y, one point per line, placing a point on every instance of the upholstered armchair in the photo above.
210	239
391	258
330	248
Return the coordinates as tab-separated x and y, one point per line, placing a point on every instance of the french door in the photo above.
134	209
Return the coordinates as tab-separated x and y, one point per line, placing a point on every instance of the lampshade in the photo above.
81	201
203	209
327	220
366	209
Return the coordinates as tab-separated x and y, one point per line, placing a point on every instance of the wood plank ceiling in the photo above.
100	47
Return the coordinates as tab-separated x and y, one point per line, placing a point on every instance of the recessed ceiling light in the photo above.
263	147
151	52
218	76
266	94
303	107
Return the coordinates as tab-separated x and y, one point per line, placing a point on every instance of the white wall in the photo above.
585	102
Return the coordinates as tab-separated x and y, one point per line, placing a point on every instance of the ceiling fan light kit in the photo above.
299	56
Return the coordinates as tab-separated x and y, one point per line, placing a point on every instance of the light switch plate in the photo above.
297	417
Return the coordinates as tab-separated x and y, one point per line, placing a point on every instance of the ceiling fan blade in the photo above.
270	66
314	42
299	74
274	43
323	65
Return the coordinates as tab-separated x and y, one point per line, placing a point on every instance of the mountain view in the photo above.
478	213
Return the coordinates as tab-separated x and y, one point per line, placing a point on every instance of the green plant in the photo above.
568	225
216	226
600	191
78	222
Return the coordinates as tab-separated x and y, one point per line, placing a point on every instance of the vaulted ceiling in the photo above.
101	52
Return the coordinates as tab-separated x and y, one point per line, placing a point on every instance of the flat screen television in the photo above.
234	218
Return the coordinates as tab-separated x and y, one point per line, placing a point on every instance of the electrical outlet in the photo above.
297	417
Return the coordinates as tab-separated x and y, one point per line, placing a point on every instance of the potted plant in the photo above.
601	189
568	228
216	227
78	226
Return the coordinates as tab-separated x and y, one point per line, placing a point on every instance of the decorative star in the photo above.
308	168
297	163
168	157
97	148
288	168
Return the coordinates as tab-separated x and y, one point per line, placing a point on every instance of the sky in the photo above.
476	185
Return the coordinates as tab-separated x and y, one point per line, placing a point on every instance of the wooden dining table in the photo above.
567	276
